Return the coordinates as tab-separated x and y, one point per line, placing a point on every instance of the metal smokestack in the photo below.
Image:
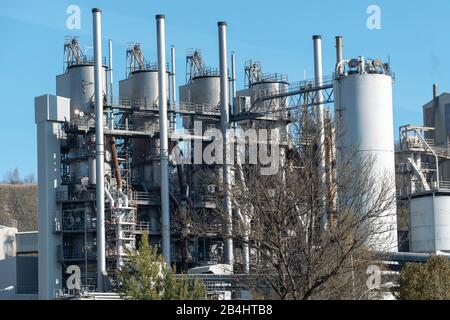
99	149
435	91
110	70
233	80
174	85
163	134
224	112
320	123
339	47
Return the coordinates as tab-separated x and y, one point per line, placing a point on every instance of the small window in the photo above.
429	119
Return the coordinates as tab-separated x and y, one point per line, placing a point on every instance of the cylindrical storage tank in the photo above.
202	90
145	88
77	84
364	129
142	86
265	89
429	220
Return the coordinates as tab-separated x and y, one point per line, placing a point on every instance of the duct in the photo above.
340	66
164	141
99	149
233	80
184	188
124	198
110	198
117	172
110	71
92	174
116	163
330	145
224	112
320	124
182	180
174	90
186	205
245	221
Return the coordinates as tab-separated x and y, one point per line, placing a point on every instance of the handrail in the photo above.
432	151
295	88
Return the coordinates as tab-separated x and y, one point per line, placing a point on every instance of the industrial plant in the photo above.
113	166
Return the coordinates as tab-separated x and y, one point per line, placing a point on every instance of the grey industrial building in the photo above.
111	165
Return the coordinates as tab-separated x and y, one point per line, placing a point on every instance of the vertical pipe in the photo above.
339	47
174	86
435	110
116	163
111	81
224	119
99	148
245	221
110	70
163	133
319	124
233	81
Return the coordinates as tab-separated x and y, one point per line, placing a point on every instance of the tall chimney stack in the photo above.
99	149
164	136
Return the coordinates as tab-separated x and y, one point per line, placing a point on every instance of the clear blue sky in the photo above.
415	34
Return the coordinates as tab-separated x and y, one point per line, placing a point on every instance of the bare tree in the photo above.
298	251
13	177
29	179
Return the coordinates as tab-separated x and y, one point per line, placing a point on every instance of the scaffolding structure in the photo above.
418	160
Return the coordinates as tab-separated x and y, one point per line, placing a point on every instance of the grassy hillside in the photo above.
19	202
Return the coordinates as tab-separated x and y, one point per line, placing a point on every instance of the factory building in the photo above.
18	263
423	171
70	226
112	166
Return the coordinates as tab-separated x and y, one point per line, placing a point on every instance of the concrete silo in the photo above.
364	130
140	91
77	84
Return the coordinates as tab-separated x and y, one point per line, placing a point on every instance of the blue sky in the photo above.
414	34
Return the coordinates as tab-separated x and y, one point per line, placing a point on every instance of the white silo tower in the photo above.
364	126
